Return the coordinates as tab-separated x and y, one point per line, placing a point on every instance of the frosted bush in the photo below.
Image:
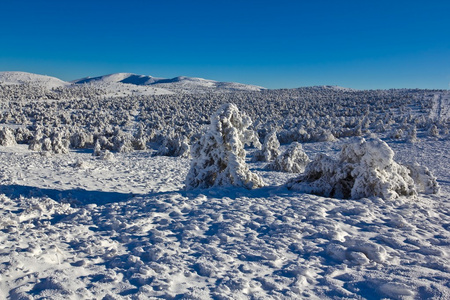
323	136
7	137
122	142
433	131
293	160
60	145
424	180
107	155
412	135
270	149
97	148
23	135
174	145
81	140
36	144
363	169
218	158
396	134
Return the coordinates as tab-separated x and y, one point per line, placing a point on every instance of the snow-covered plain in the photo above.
78	226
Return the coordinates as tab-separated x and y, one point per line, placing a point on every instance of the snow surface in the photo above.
123	226
78	227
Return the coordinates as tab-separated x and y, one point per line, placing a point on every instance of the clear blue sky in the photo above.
275	44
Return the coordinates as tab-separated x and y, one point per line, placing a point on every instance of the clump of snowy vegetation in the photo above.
218	158
363	169
7	137
174	145
293	160
270	148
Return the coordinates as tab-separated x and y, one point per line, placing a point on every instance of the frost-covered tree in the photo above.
270	148
174	145
7	137
293	160
424	180
412	134
218	158
363	169
433	131
60	145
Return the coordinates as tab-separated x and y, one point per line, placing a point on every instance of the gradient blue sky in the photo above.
275	44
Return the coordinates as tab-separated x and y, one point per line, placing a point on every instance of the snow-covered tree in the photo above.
424	180
293	160
363	169
7	137
270	149
174	145
433	131
218	158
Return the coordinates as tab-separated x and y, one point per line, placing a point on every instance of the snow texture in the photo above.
218	158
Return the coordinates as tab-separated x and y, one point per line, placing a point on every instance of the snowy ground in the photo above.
77	227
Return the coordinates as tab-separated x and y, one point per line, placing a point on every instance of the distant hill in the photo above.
122	84
176	84
33	79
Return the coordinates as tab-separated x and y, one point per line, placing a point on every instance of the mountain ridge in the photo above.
130	83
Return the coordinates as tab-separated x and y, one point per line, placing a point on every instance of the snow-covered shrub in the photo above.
60	145
81	140
36	144
433	131
323	136
218	158
424	180
104	143
23	135
7	137
97	148
46	144
174	145
363	169
122	141
270	149
293	160
412	134
107	155
396	134
56	143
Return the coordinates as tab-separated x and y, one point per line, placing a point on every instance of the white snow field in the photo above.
121	225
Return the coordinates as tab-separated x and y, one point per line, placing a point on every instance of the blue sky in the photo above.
275	44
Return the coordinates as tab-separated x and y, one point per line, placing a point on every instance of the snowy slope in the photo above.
34	79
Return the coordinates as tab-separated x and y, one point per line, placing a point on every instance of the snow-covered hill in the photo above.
126	84
32	79
177	84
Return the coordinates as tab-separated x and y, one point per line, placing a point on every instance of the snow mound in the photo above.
363	169
218	158
33	79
